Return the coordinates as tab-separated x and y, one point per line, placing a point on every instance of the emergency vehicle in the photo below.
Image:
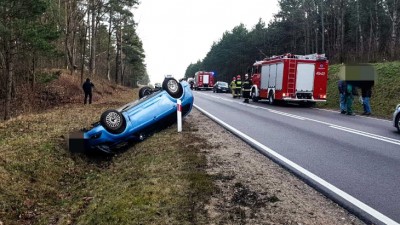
291	78
203	80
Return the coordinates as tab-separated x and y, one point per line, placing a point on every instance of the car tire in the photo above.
271	99
144	91
254	98
173	87
113	121
397	122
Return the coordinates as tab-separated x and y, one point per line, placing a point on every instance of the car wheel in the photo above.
113	121
271	99
173	87
398	122
144	91
253	96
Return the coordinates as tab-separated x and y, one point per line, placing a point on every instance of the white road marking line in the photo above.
287	114
368	117
350	130
365	134
374	213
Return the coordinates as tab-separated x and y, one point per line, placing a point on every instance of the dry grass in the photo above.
158	181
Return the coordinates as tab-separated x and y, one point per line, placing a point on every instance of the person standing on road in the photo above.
342	96
349	98
233	87
238	85
87	88
246	88
366	93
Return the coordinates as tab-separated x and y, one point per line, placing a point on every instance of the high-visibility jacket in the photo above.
238	84
233	84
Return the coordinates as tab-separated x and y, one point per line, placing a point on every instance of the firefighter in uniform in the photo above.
238	84
246	88
233	86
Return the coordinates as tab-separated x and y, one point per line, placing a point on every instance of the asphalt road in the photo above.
358	155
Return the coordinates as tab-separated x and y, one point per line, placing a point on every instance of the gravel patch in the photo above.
252	189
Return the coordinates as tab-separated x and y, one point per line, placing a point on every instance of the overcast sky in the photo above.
176	33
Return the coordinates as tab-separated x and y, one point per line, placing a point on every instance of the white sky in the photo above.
176	33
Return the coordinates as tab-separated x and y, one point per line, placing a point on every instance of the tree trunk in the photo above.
377	29
392	10
322	27
11	47
371	34
83	52
109	46
360	31
92	64
342	56
33	71
118	54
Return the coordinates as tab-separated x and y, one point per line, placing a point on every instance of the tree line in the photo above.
87	37
347	31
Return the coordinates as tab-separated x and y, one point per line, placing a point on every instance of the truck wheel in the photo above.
397	120
113	121
144	91
271	99
173	87
254	98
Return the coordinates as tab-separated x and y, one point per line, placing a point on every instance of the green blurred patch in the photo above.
45	77
385	93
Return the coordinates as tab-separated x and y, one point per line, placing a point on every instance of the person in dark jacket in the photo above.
366	93
87	88
246	88
342	95
350	90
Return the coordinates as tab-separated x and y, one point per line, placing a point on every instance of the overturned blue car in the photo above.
155	110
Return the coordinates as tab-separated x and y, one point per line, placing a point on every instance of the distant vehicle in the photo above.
136	120
396	118
291	78
203	80
221	86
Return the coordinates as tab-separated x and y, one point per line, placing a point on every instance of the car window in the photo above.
223	84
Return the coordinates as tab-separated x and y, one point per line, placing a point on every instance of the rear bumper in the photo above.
303	100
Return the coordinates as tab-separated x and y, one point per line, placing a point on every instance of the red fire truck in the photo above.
292	78
203	80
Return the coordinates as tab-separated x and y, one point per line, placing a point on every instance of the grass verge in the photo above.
159	181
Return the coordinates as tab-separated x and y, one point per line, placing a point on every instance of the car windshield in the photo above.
223	84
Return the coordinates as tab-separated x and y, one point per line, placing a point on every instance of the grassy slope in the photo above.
385	94
158	181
